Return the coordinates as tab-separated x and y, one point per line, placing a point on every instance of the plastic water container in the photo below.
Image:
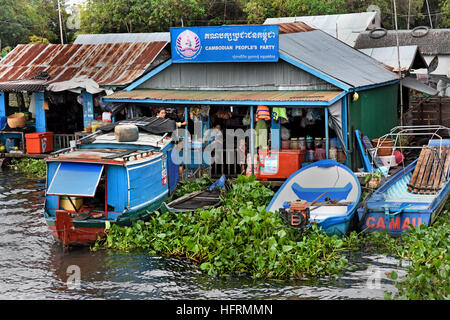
310	155
106	116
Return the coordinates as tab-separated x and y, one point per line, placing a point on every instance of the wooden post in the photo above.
275	134
2	104
41	122
252	138
87	101
326	132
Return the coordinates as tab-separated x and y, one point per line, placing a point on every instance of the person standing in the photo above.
162	114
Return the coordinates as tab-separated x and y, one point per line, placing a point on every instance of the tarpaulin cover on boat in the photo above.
75	179
153	125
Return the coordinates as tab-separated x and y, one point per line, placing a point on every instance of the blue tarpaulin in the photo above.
75	179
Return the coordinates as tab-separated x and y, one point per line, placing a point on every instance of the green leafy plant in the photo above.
185	186
239	237
427	248
33	168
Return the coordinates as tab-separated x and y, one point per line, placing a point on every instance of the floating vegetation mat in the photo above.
240	237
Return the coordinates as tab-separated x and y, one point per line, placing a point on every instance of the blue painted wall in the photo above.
275	134
51	202
145	183
117	187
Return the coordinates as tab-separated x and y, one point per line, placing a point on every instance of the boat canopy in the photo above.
75	179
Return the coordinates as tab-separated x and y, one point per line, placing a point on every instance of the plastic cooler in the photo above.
279	164
39	142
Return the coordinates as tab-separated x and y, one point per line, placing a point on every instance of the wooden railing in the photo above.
227	168
61	141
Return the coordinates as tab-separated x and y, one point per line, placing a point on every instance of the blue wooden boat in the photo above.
102	181
331	190
395	206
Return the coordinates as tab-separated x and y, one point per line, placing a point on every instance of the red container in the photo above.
39	142
279	164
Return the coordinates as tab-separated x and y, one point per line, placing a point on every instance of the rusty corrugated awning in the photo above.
293	27
207	96
108	64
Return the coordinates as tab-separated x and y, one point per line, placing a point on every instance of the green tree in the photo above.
445	13
38	40
103	16
16	23
21	19
174	13
220	12
257	10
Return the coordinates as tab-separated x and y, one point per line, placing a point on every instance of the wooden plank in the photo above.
185	198
427	172
445	173
439	171
415	174
433	171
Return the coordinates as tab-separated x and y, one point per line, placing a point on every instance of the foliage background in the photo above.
22	19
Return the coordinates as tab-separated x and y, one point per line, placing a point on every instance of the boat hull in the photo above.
311	182
70	232
399	214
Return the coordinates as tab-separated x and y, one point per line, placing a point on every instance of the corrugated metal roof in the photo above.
410	57
334	58
344	27
107	64
122	37
207	95
292	27
23	85
415	84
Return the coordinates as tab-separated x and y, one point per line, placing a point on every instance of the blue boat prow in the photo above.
394	208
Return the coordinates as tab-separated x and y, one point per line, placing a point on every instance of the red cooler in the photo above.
279	164
39	142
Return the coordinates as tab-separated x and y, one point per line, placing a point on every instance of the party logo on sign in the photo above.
188	44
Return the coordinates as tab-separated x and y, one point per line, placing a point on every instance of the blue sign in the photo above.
250	43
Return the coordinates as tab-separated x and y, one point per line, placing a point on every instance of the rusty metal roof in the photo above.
202	96
292	27
111	64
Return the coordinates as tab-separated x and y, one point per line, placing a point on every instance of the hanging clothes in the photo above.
262	112
279	112
261	134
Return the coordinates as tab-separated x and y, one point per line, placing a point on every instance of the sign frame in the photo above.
242	43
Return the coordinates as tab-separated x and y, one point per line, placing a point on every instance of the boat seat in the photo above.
320	213
431	170
311	194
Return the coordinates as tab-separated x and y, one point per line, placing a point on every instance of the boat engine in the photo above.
296	214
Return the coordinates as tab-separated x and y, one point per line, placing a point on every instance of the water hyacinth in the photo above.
239	237
427	248
33	168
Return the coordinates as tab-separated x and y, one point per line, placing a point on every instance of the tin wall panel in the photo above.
235	76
